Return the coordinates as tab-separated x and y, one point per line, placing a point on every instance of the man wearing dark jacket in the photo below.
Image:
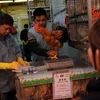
24	38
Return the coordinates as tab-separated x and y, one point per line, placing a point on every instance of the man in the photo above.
10	58
24	38
39	47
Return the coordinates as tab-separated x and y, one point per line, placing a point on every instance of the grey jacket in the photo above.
9	51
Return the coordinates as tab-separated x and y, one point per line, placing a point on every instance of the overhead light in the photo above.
6	1
20	1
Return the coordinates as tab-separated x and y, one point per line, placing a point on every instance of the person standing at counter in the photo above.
39	47
10	58
93	86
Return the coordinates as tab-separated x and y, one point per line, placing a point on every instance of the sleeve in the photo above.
34	47
21	35
65	36
17	48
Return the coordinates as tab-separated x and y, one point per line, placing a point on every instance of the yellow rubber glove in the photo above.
14	65
22	62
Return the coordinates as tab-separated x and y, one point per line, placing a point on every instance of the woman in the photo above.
93	86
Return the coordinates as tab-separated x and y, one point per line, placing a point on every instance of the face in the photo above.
41	20
4	30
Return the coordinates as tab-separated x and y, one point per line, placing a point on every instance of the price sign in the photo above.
62	86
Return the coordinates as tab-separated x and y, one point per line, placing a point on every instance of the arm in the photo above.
13	65
34	47
21	35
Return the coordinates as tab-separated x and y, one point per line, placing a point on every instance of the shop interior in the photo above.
21	11
77	17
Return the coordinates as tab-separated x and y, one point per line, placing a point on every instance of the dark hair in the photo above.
94	37
39	12
6	19
25	25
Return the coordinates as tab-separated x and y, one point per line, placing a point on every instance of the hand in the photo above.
14	65
52	53
57	34
25	63
22	62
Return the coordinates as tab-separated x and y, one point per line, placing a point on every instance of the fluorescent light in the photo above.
6	1
20	1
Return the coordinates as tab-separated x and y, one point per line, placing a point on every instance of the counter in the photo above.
38	86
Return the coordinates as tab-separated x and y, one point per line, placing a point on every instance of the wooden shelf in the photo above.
79	44
45	7
78	14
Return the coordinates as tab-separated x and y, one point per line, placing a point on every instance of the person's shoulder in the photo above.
24	31
31	29
21	31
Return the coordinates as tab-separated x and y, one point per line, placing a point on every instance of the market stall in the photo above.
62	82
62	79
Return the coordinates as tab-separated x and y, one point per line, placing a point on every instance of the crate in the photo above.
38	86
41	88
37	92
44	91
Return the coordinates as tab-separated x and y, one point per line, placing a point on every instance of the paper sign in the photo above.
62	86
